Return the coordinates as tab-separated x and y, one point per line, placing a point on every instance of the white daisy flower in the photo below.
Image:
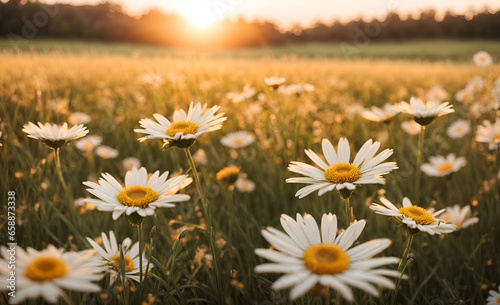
106	152
141	195
493	297
414	217
476	84
482	59
458	129
47	272
298	89
411	127
384	114
460	217
244	185
110	257
88	143
338	173
185	128
78	118
238	139
131	162
355	109
441	166
200	157
465	95
424	113
437	94
274	81
237	97
311	256
489	133
54	136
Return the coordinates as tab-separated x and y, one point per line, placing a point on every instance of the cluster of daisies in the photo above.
310	255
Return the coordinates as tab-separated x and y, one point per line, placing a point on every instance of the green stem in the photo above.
139	232
231	210
296	128
347	211
208	216
282	127
416	189
58	168
402	266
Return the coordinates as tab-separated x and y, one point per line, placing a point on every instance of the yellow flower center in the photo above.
496	138
127	261
88	145
418	214
342	172
228	172
326	259
444	167
137	196
46	268
459	128
182	126
238	142
498	300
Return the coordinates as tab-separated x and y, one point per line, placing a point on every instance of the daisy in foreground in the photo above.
45	273
441	166
185	127
312	256
424	112
338	173
493	297
140	195
110	257
414	217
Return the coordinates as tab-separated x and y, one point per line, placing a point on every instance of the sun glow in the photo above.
199	13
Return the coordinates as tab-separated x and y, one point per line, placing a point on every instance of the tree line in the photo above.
22	20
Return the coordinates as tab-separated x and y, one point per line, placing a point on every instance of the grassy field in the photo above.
433	50
112	85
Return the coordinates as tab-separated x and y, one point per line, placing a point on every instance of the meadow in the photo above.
118	89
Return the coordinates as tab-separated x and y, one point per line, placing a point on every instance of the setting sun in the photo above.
199	13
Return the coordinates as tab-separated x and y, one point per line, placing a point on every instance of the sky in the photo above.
287	13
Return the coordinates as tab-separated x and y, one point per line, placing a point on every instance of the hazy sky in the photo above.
289	12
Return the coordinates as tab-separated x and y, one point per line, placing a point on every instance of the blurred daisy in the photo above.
298	89
82	205
141	195
458	129
237	97
411	127
110	257
465	95
489	133
228	174
78	118
476	84
200	157
131	162
88	143
437	94
424	113
185	128
106	152
414	217
482	59
244	185
493	297
441	166
461	218
338	173
274	81
310	256
238	139
47	272
355	109
384	114
152	79
54	136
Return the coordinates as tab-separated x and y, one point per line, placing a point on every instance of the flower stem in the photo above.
58	168
139	232
402	266
416	189
296	128
208	216
347	211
